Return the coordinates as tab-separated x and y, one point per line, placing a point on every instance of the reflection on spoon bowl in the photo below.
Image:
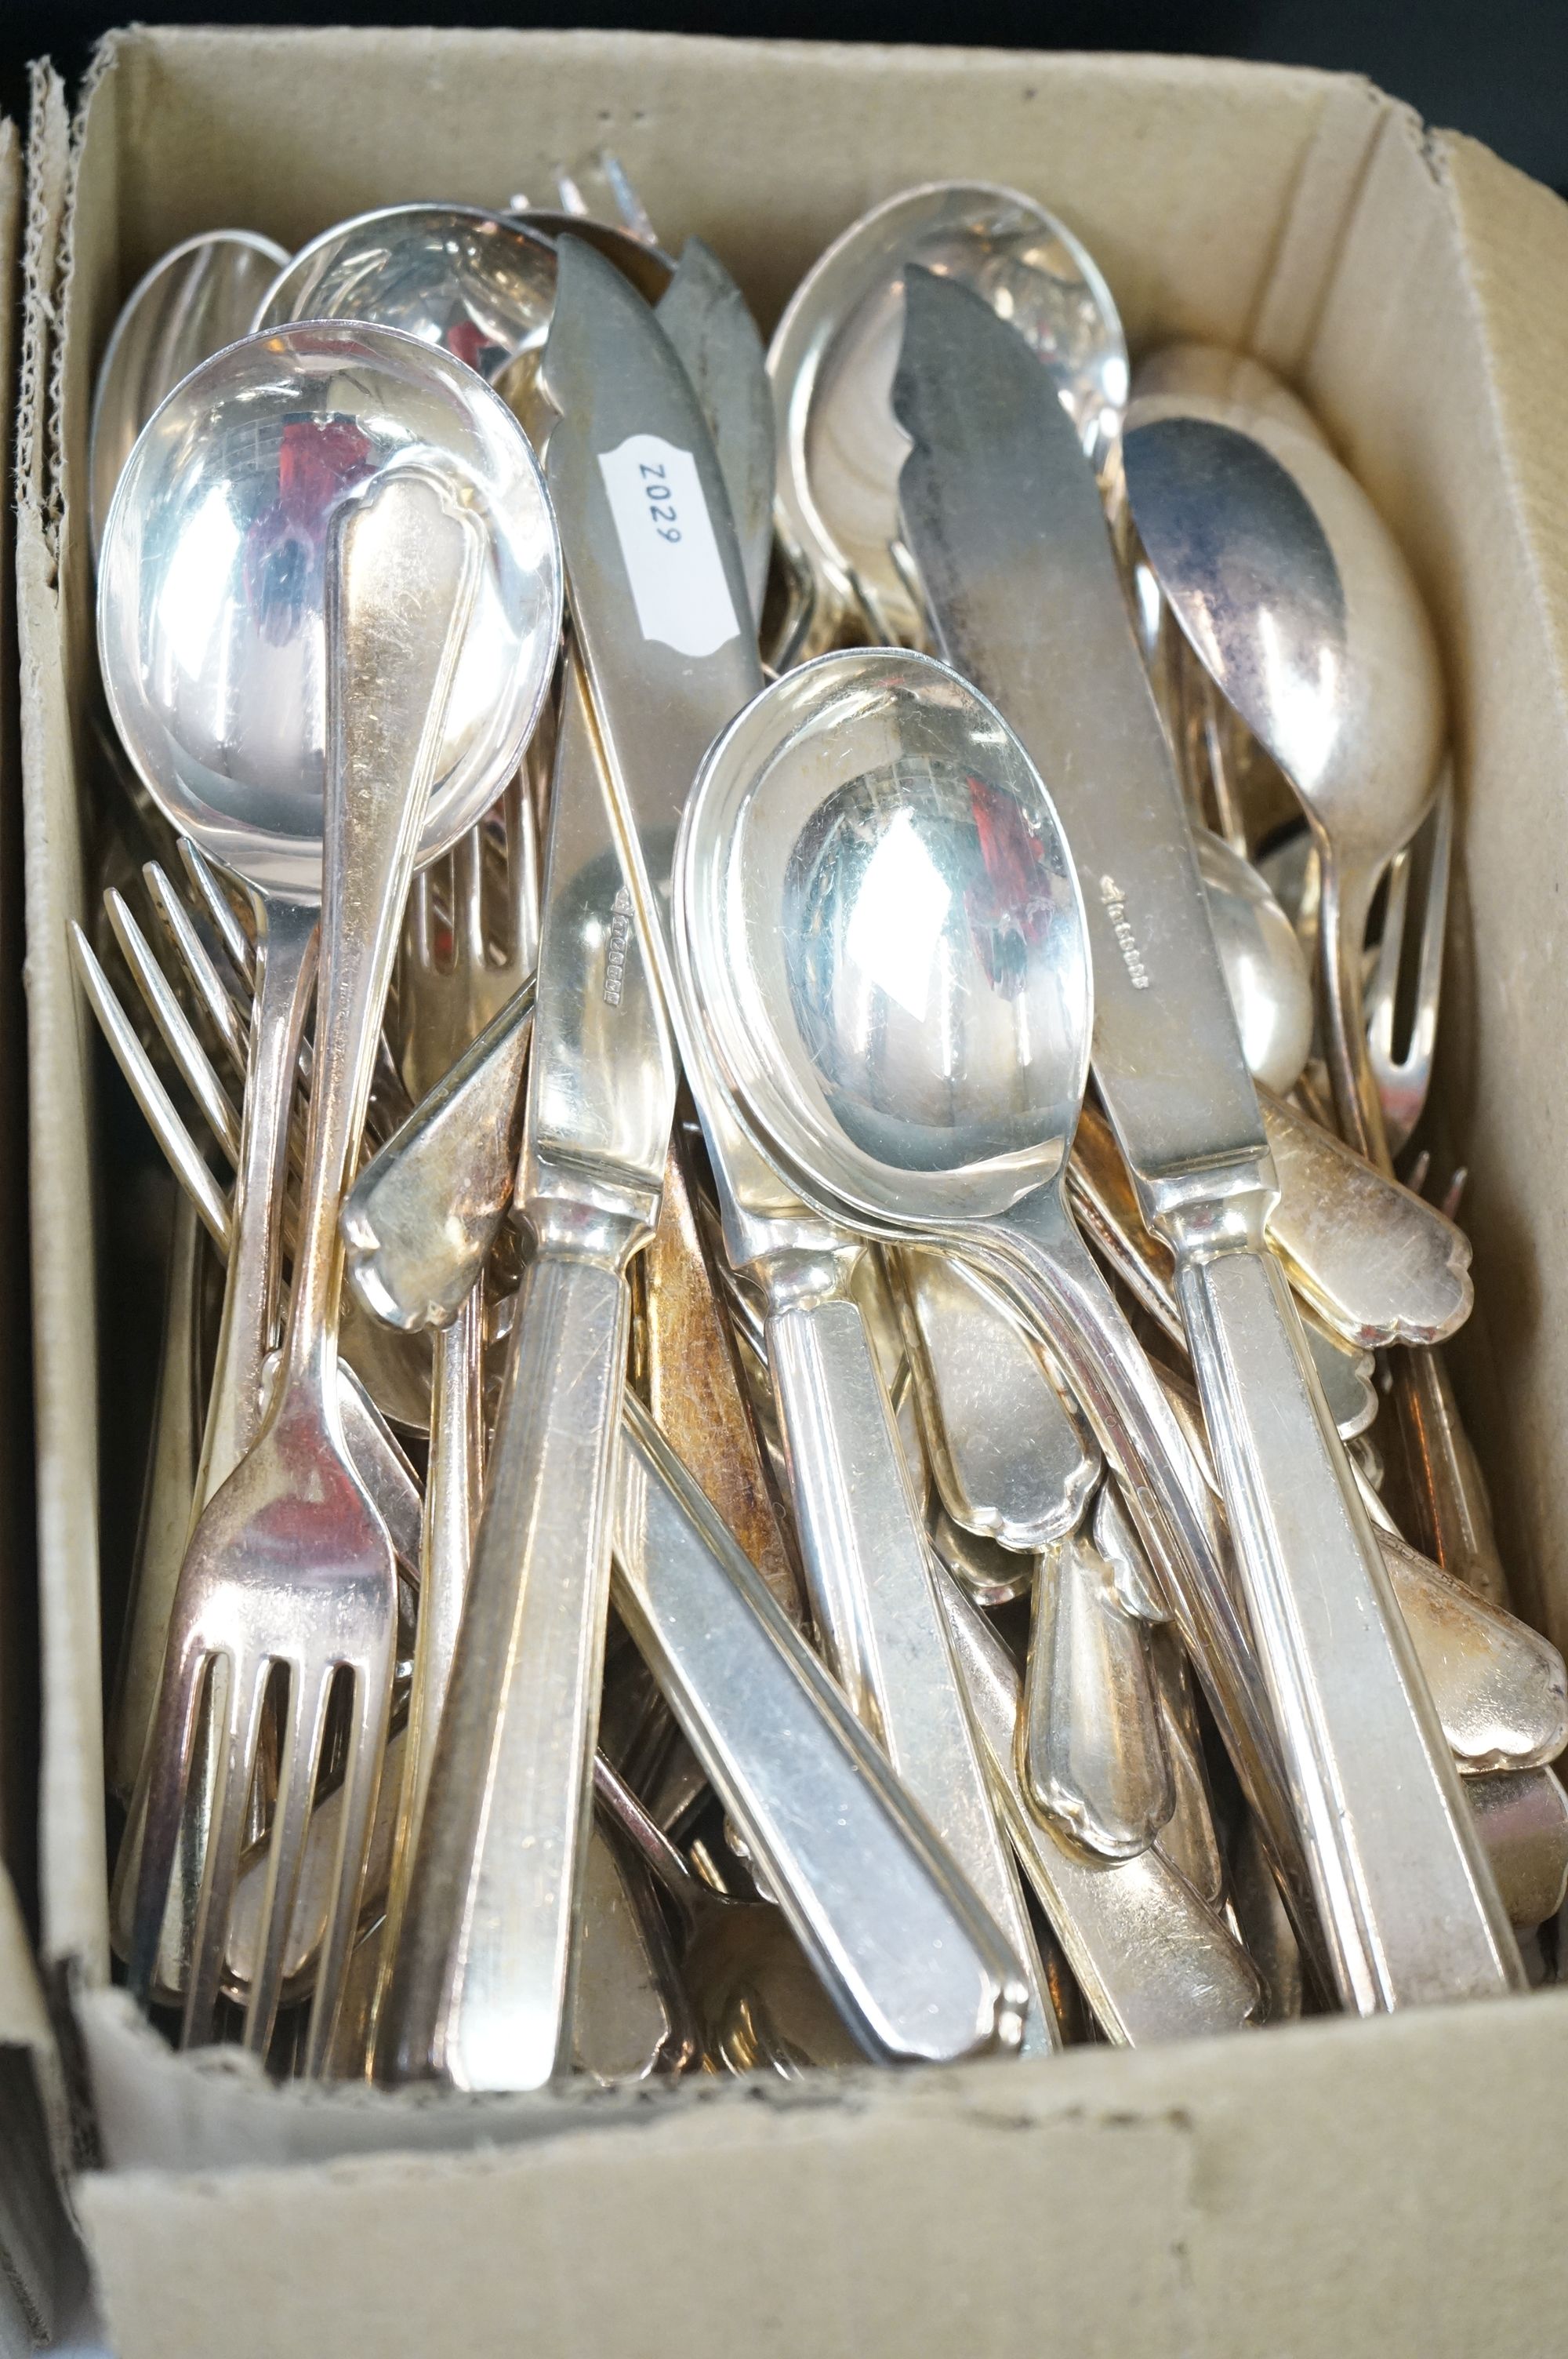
879	922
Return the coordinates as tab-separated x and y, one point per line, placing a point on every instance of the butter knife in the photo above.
483	1991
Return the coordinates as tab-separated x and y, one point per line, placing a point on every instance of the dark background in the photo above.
1500	70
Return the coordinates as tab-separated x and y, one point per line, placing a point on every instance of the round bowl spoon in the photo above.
198	297
836	348
1294	594
878	931
217	645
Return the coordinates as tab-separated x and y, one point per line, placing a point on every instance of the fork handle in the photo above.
483	1991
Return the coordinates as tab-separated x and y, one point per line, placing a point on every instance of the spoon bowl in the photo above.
1298	602
1265	970
880	920
195	299
212	628
479	285
836	350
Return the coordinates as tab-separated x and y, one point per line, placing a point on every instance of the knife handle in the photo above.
1405	1894
485	1983
915	1963
1036	1250
869	1571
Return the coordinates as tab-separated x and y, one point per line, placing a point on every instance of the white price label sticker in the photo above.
666	539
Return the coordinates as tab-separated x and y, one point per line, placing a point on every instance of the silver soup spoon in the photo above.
220	655
1298	602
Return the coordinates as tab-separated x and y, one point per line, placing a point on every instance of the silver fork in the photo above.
291	1567
1404	1081
448	990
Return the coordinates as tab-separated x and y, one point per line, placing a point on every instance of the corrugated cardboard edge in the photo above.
37	2259
18	1598
1456	306
34	2245
74	1896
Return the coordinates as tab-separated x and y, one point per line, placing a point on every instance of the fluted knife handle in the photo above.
1404	1891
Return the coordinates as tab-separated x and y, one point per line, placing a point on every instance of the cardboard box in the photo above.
1336	2186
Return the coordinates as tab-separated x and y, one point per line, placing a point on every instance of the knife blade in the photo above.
629	461
1003	516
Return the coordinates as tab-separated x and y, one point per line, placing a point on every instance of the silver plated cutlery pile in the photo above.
802	1417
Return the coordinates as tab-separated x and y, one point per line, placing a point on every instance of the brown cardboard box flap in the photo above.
1224	2199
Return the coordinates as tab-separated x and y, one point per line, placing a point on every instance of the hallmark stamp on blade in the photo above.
1114	902
619	948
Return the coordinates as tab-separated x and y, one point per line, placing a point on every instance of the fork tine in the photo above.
219	999
191	1060
361	1779
1382	992
468	948
209	890
165	1770
310	1689
228	1807
419	934
185	1158
634	213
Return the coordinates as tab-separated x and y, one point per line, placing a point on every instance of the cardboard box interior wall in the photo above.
1352	2188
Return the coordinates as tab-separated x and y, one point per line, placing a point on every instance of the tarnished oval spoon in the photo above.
1297	600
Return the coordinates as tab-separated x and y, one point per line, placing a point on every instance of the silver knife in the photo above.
630	463
419	1221
482	1993
1003	516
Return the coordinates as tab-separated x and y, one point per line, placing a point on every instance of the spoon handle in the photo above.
1153	1959
287	936
1450	1499
1038	1252
385	715
873	1582
419	1221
